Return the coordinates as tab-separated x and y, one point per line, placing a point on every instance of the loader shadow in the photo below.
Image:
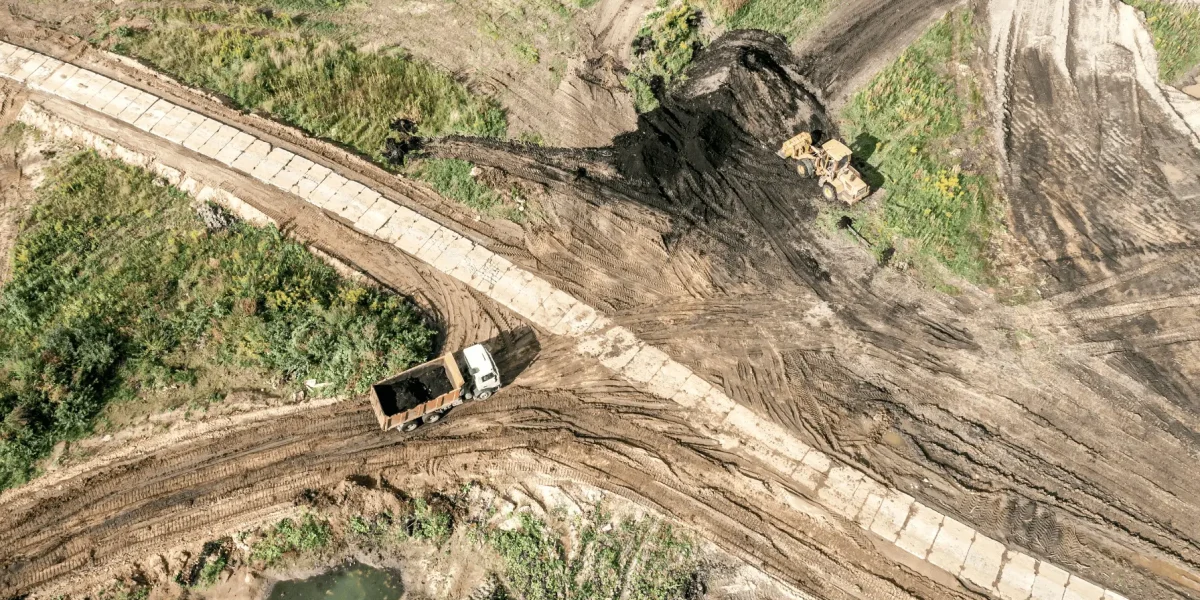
864	147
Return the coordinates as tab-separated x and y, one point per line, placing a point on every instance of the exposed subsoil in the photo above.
1021	421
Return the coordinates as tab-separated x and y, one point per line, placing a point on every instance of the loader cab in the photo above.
838	153
481	372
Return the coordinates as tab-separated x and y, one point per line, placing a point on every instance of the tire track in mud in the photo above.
164	506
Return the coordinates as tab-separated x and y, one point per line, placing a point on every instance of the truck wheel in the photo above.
484	395
432	417
828	191
410	426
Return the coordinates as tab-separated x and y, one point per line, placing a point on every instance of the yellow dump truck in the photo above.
830	162
426	392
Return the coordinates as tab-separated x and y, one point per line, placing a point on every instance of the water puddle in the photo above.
354	581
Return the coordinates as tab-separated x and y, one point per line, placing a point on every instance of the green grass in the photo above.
909	120
285	67
634	559
212	570
325	87
124	591
1175	28
310	534
663	49
789	18
452	178
118	291
306	5
423	521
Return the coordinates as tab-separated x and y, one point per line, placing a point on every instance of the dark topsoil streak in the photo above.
706	156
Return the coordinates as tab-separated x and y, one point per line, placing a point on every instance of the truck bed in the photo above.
413	388
413	394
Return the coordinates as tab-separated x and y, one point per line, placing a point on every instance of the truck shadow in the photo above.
513	350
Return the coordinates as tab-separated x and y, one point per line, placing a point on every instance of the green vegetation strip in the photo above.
789	18
909	122
119	291
327	88
1175	27
288	67
422	522
632	559
309	534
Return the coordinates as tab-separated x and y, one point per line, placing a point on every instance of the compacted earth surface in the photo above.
1059	418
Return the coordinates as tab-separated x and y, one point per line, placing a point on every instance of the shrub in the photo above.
309	535
663	49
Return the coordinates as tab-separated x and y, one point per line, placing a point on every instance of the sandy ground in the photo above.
1064	427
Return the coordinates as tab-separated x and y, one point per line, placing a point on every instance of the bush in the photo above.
117	290
309	535
663	49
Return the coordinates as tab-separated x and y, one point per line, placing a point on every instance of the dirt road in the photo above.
691	234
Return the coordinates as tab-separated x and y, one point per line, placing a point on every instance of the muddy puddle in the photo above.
354	581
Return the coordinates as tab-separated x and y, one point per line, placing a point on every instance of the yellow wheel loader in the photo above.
830	163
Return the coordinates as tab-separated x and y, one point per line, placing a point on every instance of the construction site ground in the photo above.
1064	427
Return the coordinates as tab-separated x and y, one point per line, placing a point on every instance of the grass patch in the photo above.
281	65
309	5
1175	28
909	123
424	521
634	559
663	49
310	534
124	591
452	178
324	87
118	291
789	18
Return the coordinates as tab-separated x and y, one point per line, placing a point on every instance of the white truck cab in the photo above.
483	374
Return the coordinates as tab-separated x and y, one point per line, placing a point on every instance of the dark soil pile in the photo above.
706	156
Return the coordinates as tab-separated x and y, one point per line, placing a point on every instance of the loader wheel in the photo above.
432	417
410	426
829	193
806	168
484	395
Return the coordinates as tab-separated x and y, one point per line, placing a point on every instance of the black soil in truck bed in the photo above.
413	389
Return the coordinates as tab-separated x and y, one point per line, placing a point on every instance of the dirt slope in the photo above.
1104	176
859	38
